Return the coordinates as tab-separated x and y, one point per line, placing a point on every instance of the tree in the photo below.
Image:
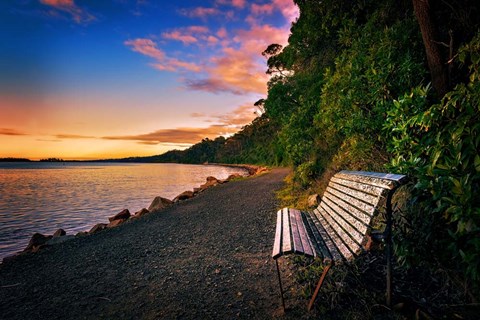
428	28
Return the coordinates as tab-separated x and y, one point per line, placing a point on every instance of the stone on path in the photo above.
184	196
98	227
115	223
59	233
122	215
140	213
36	241
159	203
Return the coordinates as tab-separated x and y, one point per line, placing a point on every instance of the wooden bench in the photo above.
340	228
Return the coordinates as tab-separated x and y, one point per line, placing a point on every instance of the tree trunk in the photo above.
434	59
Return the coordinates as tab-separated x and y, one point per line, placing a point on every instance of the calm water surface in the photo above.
43	197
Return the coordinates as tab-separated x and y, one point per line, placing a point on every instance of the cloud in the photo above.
146	47
286	7
240	4
79	15
176	35
186	35
73	136
258	9
200	12
198	115
222	33
225	124
11	132
177	135
238	68
238	118
149	48
49	140
233	62
172	64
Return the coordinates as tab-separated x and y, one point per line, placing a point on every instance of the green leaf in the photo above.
477	163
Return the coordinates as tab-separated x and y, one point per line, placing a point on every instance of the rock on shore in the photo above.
159	203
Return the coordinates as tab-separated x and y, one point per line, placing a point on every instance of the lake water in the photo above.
43	197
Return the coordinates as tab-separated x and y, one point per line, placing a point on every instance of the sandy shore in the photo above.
204	258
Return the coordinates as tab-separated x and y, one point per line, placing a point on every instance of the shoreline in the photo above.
205	258
40	241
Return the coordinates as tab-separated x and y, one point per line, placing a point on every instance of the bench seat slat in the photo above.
366	188
306	243
336	240
286	238
363	217
339	228
346	221
319	236
277	246
357	218
329	243
297	240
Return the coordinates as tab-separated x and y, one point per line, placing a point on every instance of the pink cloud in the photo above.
146	47
234	63
78	14
288	9
239	69
198	29
149	48
240	4
200	12
222	33
186	35
239	117
212	40
172	64
177	35
258	9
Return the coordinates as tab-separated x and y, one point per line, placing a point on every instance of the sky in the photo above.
89	79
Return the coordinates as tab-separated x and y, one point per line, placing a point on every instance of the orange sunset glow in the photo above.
89	80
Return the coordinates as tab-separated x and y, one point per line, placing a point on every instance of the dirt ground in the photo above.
204	258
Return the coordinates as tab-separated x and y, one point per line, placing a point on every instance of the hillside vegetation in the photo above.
386	86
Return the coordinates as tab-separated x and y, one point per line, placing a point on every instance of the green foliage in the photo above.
438	146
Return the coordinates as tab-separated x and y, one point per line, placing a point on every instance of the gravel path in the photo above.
204	258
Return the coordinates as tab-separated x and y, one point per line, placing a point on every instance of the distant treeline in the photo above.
52	160
14	160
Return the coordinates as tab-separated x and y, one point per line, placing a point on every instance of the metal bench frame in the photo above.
340	228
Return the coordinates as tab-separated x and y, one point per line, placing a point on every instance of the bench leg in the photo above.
319	285
280	283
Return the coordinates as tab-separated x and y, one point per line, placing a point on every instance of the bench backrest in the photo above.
347	209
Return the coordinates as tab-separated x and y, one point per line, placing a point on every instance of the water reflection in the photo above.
43	197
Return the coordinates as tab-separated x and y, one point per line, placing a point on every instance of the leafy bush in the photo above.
438	146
